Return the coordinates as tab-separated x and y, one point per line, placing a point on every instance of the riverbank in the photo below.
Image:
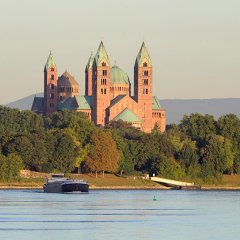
113	182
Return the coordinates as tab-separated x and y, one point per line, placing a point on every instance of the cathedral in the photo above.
108	94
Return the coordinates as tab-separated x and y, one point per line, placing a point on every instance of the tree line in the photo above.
199	148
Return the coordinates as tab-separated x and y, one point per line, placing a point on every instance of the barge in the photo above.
59	184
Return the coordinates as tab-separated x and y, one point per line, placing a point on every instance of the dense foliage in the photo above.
200	147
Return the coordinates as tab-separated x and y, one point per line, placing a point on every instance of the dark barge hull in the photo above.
75	187
65	187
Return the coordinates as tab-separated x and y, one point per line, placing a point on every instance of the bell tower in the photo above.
101	86
88	76
50	86
143	87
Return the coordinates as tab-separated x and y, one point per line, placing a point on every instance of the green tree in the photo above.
65	152
22	146
198	126
216	156
76	121
10	167
229	127
167	167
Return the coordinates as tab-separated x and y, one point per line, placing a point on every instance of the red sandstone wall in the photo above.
50	90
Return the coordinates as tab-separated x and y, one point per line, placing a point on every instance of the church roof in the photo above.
76	103
143	56
128	116
156	103
67	80
116	100
66	104
50	61
101	55
84	102
118	76
90	62
38	105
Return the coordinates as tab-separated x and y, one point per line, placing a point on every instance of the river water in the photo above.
127	215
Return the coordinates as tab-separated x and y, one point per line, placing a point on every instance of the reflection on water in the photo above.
120	215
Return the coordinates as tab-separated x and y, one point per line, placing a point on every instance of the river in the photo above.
120	214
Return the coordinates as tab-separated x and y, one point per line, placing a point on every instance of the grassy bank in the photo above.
111	181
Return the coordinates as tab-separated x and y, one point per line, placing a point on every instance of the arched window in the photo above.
145	81
105	91
145	73
146	91
145	64
52	69
103	64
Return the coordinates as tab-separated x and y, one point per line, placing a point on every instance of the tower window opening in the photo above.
104	72
145	64
105	91
101	91
146	91
145	73
103	64
52	77
145	81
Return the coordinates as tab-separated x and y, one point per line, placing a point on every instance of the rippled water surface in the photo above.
114	215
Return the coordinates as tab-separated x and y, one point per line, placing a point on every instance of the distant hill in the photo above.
175	108
24	103
217	107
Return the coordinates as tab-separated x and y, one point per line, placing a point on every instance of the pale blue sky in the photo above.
194	44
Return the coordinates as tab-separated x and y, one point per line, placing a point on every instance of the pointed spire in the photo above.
50	61
101	55
143	56
90	62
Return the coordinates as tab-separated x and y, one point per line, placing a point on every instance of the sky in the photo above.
194	44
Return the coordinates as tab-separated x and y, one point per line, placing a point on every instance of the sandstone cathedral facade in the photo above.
107	92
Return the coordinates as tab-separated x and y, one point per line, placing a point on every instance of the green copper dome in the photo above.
143	56
101	55
50	62
118	76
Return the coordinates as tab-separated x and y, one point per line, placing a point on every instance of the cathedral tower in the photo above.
88	76
101	86
50	86
143	87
